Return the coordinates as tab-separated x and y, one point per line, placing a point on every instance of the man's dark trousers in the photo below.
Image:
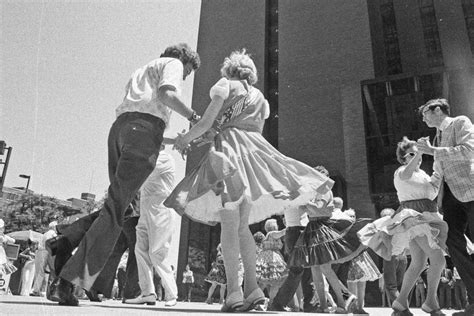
295	275
459	215
393	272
74	233
134	144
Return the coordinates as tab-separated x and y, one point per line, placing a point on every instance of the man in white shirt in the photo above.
134	142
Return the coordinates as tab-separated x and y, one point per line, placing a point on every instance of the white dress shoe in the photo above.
149	299
170	303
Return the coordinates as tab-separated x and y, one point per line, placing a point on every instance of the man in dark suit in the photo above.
454	161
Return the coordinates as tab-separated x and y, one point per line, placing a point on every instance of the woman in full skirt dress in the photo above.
329	238
216	277
361	269
242	179
416	227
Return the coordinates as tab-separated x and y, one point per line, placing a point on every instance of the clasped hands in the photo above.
182	145
424	146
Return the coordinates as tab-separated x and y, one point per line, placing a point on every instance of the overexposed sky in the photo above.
64	66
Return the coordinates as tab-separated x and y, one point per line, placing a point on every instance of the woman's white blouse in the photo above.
418	186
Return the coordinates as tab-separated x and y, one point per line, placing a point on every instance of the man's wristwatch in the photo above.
194	117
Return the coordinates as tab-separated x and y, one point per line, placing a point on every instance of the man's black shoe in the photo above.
93	295
469	311
275	308
62	291
58	244
310	308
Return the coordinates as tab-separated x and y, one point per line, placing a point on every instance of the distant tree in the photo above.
34	212
93	205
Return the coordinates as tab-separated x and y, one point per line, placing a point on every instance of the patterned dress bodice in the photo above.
246	111
272	244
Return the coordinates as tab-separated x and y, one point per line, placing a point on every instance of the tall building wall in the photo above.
325	51
410	35
457	54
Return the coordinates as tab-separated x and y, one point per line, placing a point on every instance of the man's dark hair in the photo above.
433	104
184	53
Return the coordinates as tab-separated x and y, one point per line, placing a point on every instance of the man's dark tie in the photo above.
438	138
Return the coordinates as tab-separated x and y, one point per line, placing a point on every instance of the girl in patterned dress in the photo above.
362	269
217	277
243	179
270	265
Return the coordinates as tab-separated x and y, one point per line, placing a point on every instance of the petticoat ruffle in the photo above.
321	244
7	268
389	236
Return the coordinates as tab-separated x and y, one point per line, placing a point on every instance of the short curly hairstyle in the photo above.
387	212
241	66
183	52
402	149
258	237
271	225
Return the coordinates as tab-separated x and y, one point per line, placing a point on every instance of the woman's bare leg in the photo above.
437	263
247	250
230	221
418	261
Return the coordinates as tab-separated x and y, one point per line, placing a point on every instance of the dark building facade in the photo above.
343	79
422	50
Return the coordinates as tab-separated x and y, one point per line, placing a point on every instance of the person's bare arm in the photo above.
202	126
170	97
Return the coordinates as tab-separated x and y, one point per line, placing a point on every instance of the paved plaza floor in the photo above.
23	305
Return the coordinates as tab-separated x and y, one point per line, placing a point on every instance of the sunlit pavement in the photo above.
24	305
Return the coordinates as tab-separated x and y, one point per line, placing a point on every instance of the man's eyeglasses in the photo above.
412	154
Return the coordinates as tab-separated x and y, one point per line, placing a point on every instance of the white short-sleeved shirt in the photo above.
141	92
417	187
295	217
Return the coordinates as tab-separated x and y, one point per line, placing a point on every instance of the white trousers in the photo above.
41	260
27	277
154	232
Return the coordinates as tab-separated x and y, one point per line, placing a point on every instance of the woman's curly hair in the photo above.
258	237
271	225
184	53
402	149
241	66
